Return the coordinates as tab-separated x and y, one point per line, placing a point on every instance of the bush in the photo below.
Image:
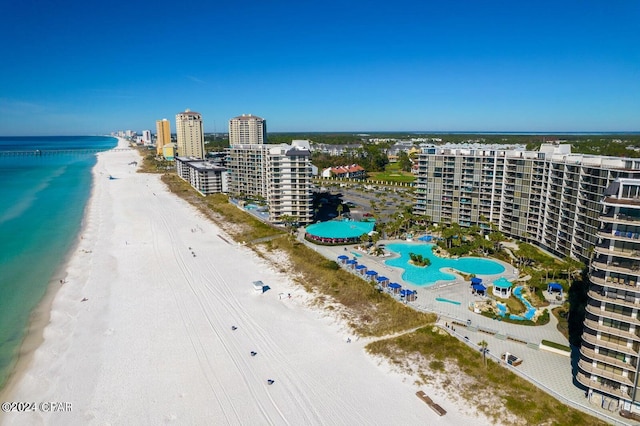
332	265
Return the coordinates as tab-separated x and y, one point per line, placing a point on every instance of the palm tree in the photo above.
289	222
483	348
339	209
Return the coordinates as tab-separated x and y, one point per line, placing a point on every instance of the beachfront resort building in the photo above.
248	170
280	174
163	135
247	129
289	182
609	364
146	137
205	176
549	198
190	134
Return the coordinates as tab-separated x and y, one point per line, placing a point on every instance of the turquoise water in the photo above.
442	299
531	311
43	201
340	229
529	314
430	274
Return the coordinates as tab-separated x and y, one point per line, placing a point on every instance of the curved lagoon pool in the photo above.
429	275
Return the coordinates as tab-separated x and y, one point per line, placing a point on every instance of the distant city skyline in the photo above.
493	66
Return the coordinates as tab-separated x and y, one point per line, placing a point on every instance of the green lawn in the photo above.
392	173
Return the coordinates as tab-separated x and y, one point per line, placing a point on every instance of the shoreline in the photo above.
40	316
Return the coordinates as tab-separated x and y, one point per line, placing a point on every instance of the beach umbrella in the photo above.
479	288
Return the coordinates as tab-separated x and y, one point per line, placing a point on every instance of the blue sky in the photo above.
71	67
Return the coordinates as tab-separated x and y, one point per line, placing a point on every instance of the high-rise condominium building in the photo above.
247	129
247	170
190	134
289	182
163	134
609	362
146	137
549	198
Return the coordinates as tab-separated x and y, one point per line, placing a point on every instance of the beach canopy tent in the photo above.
381	279
551	287
394	288
372	273
502	287
351	263
361	269
343	258
479	288
476	280
409	295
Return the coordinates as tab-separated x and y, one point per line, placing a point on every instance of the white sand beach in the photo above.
141	332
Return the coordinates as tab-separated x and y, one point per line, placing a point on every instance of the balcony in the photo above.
616	266
595	310
621	218
629	284
616	252
604	296
619	235
591	339
588	368
583	379
592	354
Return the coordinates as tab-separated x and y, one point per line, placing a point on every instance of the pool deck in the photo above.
549	371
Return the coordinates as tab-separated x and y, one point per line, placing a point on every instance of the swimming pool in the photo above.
429	275
531	311
340	229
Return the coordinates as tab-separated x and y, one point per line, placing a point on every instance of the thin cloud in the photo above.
196	79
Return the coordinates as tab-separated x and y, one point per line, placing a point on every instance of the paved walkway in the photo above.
549	371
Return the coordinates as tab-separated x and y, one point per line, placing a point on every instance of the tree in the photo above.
404	161
339	209
483	348
290	222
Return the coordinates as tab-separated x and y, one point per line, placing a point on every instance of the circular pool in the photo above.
343	230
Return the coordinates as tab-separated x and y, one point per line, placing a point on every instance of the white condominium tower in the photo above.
247	129
190	134
289	182
279	174
609	363
163	134
549	198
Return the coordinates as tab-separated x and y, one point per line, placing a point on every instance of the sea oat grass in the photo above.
520	398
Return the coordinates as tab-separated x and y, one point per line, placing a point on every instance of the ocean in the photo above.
42	201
